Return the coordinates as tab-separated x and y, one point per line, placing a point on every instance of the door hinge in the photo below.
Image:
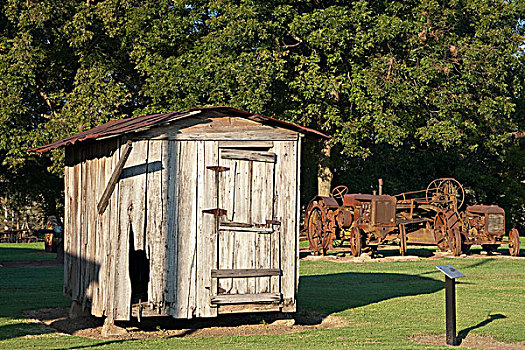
215	211
218	169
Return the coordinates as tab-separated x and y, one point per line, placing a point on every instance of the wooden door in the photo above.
248	266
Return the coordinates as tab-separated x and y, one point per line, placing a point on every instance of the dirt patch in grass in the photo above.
470	341
343	254
166	327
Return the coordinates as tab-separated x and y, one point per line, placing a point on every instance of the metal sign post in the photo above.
451	273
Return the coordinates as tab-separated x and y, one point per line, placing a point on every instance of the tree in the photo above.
62	71
409	90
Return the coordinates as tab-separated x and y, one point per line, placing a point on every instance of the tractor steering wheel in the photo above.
339	191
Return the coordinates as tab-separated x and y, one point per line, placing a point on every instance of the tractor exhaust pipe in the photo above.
380	187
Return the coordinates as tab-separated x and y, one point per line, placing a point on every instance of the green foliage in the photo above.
410	77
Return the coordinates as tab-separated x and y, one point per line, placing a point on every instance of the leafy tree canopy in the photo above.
420	87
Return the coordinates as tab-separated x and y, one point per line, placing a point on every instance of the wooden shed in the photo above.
186	214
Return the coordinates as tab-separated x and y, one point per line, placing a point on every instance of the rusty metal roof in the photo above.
119	127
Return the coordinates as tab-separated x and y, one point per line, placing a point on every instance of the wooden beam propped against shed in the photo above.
104	200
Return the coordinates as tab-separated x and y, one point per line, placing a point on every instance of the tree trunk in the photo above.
324	174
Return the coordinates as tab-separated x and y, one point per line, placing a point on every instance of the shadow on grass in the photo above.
15	330
462	334
90	346
318	297
500	250
334	293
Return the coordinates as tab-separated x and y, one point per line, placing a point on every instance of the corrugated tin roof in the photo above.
119	127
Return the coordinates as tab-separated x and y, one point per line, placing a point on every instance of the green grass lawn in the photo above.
384	303
24	251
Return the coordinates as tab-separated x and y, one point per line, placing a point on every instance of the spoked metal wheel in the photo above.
355	241
446	187
315	233
514	242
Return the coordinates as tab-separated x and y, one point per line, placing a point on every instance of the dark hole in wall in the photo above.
138	272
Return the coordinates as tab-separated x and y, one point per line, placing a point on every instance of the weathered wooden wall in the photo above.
160	203
97	245
89	241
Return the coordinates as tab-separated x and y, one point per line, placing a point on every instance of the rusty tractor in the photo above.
362	220
431	216
425	217
485	225
436	219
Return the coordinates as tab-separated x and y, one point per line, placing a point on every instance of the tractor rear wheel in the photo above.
355	241
315	232
455	241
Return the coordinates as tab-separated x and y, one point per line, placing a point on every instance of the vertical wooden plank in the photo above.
171	154
210	225
275	237
206	227
155	221
83	226
76	227
68	217
86	187
126	211
112	228
244	242
133	191
228	184
257	199
200	238
193	156
263	210
254	203
187	229
98	177
94	242
286	193
104	229
91	244
297	210
86	238
226	239
101	231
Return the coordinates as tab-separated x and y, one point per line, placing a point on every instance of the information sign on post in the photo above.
451	273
